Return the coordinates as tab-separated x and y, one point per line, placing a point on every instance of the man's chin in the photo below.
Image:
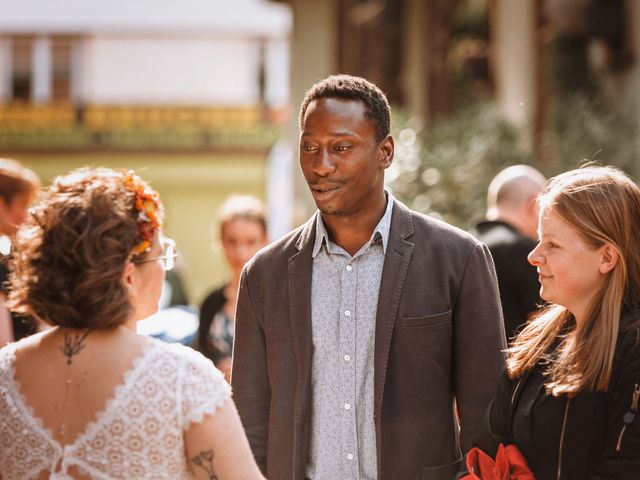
333	212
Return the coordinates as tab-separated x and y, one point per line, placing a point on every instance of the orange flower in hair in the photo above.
149	211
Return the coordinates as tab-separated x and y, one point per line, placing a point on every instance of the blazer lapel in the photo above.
394	271
299	288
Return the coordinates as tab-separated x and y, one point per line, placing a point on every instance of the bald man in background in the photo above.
510	232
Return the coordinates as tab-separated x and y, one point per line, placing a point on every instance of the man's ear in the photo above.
609	258
386	150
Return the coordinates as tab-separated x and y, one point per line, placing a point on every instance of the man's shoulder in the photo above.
434	230
282	249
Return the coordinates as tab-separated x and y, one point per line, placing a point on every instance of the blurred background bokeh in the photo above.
201	96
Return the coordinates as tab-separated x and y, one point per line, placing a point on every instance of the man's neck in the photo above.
516	220
353	231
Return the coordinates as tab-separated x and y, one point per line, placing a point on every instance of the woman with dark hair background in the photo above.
89	398
242	231
18	188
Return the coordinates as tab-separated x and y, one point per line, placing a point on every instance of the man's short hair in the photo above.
353	88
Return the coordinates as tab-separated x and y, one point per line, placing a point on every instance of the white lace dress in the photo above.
139	435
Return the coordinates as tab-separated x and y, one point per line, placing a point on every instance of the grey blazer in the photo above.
438	349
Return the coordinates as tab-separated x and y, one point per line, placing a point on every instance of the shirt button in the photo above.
349	268
347	358
347	406
349	456
347	313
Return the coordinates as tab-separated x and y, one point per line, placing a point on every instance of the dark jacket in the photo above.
517	278
439	336
578	435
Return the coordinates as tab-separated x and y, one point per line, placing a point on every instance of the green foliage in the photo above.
444	170
584	128
470	19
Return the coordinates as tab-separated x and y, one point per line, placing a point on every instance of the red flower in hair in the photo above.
149	211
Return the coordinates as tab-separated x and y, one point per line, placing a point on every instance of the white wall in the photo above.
5	69
169	71
278	84
239	17
159	51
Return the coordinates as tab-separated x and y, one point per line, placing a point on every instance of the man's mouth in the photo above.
325	188
322	193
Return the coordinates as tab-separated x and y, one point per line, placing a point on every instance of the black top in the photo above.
523	414
23	326
212	305
517	278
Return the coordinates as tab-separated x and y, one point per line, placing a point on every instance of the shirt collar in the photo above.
383	228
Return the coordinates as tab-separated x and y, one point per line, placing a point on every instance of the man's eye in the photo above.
342	148
309	148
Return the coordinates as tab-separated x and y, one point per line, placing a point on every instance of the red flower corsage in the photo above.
149	211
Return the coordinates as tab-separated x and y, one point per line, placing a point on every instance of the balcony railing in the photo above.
106	127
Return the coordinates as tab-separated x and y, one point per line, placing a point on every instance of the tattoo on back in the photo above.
204	460
73	346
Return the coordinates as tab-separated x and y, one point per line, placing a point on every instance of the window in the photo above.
21	68
61	68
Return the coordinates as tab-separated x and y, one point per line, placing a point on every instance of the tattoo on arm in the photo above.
73	346
204	460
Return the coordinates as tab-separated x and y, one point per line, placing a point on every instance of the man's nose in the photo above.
323	164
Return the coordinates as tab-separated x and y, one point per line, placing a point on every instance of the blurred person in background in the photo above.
242	231
89	398
18	189
570	396
510	233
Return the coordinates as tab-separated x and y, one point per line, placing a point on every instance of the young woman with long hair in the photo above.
570	395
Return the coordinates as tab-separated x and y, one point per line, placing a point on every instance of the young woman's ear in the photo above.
609	259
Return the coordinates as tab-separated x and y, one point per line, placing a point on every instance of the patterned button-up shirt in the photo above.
344	300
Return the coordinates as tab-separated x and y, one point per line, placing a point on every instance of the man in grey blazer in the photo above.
368	341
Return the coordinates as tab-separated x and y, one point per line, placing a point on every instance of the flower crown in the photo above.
149	210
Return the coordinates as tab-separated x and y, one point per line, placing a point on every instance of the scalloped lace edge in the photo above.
197	414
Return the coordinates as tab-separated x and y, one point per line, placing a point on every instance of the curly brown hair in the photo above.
70	253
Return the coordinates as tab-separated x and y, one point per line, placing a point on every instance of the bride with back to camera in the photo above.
90	398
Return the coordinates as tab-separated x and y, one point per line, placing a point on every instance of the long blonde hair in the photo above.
603	205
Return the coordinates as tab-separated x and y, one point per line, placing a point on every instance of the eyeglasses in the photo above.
168	257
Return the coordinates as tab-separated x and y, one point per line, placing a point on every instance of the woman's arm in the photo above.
217	447
6	327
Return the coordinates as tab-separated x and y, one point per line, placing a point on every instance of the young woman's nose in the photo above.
535	258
